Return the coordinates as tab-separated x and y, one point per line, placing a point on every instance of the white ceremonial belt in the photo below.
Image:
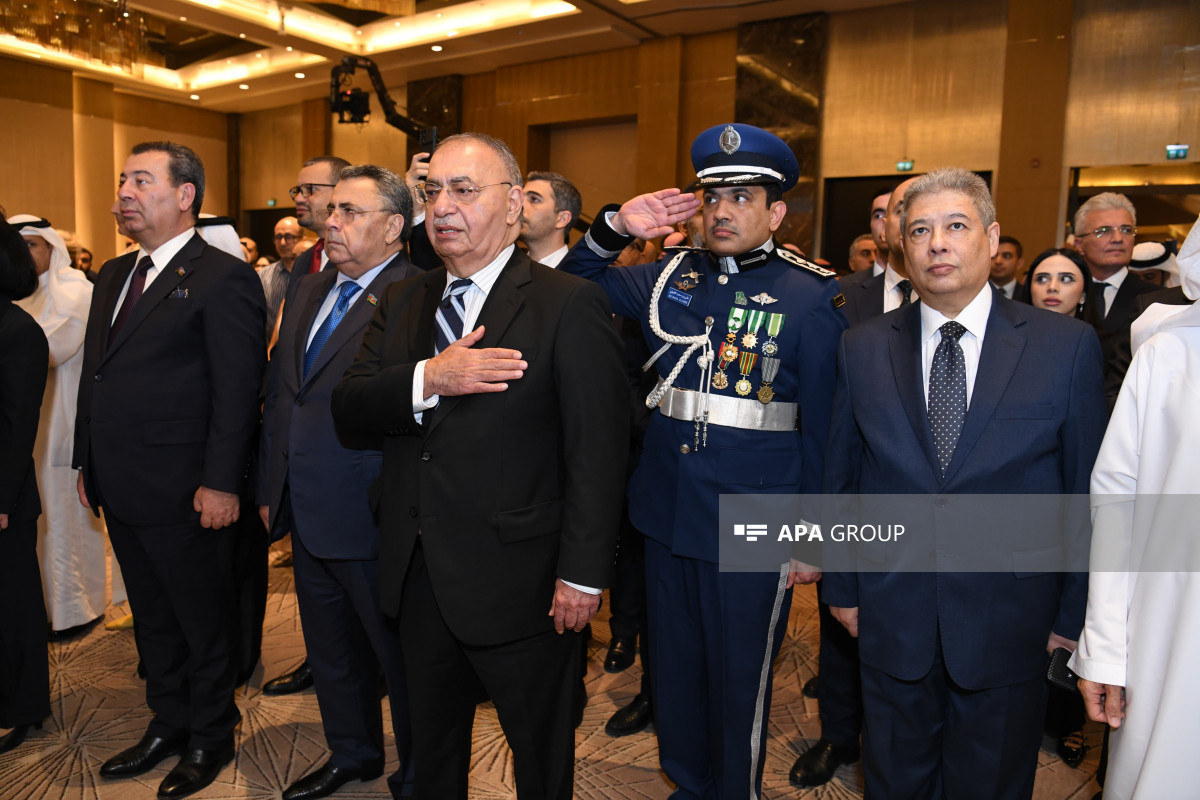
732	412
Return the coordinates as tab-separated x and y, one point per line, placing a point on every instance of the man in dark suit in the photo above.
1105	227
1006	269
315	484
503	470
311	194
954	664
168	405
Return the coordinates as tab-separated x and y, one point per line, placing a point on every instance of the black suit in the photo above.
316	487
484	502
1114	332
24	672
169	406
864	298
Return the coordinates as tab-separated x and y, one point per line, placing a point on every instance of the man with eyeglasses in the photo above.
276	276
315	484
1105	231
312	193
497	385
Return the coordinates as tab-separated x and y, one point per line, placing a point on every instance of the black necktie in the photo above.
448	325
947	392
136	286
905	287
1101	304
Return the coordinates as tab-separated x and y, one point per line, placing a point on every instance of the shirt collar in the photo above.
366	278
486	277
974	317
1117	278
735	264
891	278
167	250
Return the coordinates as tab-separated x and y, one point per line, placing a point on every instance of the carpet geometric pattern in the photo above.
99	709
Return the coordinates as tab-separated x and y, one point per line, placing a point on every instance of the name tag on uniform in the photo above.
683	298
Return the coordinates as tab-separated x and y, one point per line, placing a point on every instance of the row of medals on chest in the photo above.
741	316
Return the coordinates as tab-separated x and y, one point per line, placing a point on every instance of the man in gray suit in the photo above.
314	484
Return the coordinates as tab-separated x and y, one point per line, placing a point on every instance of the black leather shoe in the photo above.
74	632
197	769
297	680
327	780
816	766
13	738
142	757
633	718
811	687
620	654
1071	749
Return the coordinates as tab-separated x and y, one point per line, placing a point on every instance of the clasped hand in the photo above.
459	370
571	607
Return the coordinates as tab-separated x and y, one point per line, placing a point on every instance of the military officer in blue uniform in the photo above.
748	333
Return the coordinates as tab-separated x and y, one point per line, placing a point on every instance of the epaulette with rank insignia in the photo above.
792	258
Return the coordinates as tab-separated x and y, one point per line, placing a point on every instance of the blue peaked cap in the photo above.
737	154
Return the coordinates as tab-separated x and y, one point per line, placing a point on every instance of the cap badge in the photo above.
730	140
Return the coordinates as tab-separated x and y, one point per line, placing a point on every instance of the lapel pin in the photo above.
180	271
372	299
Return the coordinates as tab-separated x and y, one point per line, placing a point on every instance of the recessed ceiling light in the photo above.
300	75
195	97
183	19
397	23
243	86
258	55
452	33
241	36
289	48
358	33
437	48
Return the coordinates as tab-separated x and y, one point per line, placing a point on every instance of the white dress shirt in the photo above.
1112	285
974	318
1008	288
892	296
552	260
161	257
331	297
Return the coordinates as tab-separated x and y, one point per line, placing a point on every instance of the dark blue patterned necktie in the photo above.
347	290
450	315
947	392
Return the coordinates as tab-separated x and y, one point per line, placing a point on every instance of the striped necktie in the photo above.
450	315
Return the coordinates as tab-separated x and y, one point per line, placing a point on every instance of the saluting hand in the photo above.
649	216
459	370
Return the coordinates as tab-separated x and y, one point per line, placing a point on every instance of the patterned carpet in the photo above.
98	710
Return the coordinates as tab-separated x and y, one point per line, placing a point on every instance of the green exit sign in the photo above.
904	165
1177	152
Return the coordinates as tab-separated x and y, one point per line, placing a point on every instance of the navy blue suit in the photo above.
1033	426
713	634
315	483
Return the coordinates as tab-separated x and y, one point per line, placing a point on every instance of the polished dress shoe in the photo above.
811	687
1071	749
73	632
633	718
327	780
620	654
142	757
816	766
197	769
297	680
14	737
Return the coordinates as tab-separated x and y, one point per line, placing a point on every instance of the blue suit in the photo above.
316	484
713	634
1033	426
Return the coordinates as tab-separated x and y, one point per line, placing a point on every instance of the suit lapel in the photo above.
905	346
121	267
357	316
499	309
1003	344
172	276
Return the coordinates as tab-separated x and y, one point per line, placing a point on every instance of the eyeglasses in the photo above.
307	189
1105	231
348	214
286	237
462	194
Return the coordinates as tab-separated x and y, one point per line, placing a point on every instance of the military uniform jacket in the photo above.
674	493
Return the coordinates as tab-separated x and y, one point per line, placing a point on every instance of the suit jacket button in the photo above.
684	449
426	456
412	511
99	377
285	454
941	502
299	402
